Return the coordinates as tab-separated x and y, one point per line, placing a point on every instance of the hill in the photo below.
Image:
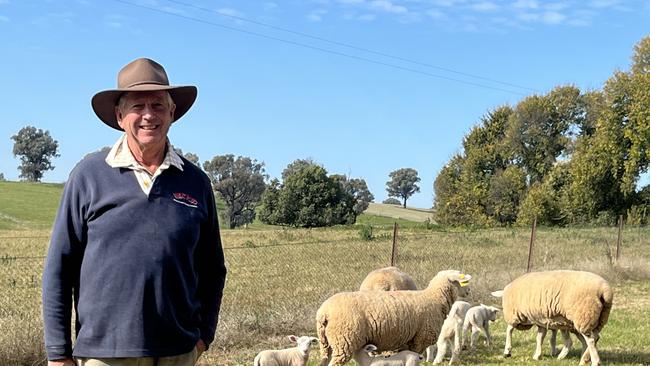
398	212
28	206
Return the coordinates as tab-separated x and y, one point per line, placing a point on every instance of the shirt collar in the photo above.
120	156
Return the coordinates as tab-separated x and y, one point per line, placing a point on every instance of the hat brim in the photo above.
104	102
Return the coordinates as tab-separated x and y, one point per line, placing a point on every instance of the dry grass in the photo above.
398	212
279	277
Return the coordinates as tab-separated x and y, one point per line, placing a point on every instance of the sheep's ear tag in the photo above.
463	280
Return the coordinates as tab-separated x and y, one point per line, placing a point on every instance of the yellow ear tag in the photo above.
462	281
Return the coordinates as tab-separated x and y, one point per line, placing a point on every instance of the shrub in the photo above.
365	232
391	201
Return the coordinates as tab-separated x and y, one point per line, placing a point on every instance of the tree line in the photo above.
306	197
564	157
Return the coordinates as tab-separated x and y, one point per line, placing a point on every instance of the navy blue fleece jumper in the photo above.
146	273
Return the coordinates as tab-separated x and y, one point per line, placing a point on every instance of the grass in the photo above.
28	205
279	276
394	211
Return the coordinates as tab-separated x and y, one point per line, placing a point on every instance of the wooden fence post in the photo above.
530	245
619	238
393	254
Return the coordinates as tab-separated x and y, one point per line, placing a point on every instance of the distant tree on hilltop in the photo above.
403	183
36	148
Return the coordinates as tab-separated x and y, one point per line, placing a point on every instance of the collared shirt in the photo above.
120	157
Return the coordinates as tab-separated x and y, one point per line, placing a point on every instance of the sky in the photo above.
362	87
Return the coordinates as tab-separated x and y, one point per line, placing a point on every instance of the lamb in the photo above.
562	300
294	356
388	279
451	329
479	318
391	320
402	358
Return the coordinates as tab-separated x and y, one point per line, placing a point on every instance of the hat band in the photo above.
146	82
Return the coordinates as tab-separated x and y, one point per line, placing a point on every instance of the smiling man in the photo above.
135	247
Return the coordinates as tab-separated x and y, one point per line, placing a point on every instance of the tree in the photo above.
189	156
307	197
403	183
36	148
240	183
391	201
2	177
358	190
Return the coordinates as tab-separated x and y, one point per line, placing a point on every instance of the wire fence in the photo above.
278	278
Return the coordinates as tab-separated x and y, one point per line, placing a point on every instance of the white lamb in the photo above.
367	357
558	300
478	318
391	320
294	356
452	330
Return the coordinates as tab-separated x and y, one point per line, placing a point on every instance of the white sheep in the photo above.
478	318
391	320
294	356
388	279
567	342
451	331
558	300
366	357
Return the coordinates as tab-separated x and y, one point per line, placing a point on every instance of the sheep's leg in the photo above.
581	339
458	337
567	344
541	333
441	352
431	350
591	348
339	359
553	342
488	337
508	348
475	333
455	356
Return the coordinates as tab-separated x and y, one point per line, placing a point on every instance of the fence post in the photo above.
618	239
530	245
393	253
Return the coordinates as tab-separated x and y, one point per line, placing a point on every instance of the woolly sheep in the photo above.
363	357
391	320
294	356
388	279
478	318
558	300
451	330
567	342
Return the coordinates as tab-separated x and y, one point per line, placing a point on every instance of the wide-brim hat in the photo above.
142	74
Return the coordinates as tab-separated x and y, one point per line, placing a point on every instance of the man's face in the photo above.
145	117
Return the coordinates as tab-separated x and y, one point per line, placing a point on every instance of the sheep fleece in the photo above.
393	320
581	298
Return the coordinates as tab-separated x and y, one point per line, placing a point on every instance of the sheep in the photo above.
388	279
294	356
564	300
567	342
402	358
479	318
451	329
391	320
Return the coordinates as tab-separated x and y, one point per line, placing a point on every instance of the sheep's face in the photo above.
492	313
304	342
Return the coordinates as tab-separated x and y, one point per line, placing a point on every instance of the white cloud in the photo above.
116	25
229	12
4	19
316	15
388	6
485	6
366	17
556	6
270	5
436	14
552	17
447	3
526	4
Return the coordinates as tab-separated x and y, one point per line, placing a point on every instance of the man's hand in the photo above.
63	362
200	347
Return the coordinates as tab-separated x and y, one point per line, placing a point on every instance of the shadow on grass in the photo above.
624	357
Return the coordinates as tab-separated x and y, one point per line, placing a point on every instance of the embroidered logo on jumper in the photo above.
185	199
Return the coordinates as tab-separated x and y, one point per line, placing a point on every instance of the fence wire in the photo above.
277	279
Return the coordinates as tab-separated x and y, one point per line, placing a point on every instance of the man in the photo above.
135	246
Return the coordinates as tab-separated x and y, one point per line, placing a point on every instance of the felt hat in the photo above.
142	74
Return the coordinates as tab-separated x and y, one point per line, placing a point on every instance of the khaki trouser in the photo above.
186	359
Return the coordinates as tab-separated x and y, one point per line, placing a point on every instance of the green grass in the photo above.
28	205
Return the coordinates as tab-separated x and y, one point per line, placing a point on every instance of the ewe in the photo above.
391	320
563	300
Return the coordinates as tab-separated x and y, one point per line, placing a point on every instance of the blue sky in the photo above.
363	87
